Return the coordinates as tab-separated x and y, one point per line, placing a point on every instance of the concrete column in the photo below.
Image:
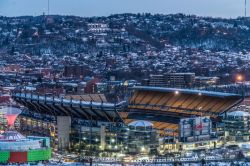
103	137
63	131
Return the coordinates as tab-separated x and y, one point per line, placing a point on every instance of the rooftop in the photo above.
140	123
238	114
186	91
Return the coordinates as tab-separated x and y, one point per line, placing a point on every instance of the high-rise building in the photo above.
76	71
177	80
237	126
206	81
180	80
157	80
98	27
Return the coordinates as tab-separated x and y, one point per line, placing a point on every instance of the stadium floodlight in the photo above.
11	113
199	93
176	92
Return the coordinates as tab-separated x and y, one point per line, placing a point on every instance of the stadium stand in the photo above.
182	101
161	105
88	97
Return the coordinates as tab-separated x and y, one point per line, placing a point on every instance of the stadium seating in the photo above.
88	97
167	102
193	104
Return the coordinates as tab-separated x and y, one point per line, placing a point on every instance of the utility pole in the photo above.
245	8
48	7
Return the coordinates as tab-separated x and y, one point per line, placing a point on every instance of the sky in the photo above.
86	8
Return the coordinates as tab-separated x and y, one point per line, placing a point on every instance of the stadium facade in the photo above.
96	125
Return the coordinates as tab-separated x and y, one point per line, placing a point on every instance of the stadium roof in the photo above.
186	91
53	105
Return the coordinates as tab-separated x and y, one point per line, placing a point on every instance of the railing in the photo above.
57	100
60	103
152	160
175	108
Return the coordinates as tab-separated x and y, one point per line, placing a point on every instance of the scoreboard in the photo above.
195	129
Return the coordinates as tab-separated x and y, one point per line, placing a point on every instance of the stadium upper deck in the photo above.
183	102
162	106
77	108
165	106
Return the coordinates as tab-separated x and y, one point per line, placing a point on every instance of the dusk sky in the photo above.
215	8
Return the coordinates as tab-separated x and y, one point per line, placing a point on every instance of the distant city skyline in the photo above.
86	8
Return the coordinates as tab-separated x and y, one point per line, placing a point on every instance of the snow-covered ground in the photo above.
183	164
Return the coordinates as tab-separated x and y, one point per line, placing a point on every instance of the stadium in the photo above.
150	113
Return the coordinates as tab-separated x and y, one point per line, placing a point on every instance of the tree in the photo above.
203	162
12	51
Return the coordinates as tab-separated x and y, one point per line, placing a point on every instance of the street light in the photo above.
112	140
239	78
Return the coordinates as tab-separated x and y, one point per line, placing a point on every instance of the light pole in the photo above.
245	8
240	80
48	6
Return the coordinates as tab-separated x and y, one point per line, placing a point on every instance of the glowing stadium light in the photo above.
177	92
112	140
199	93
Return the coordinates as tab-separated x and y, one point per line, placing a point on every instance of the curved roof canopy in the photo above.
238	114
140	123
